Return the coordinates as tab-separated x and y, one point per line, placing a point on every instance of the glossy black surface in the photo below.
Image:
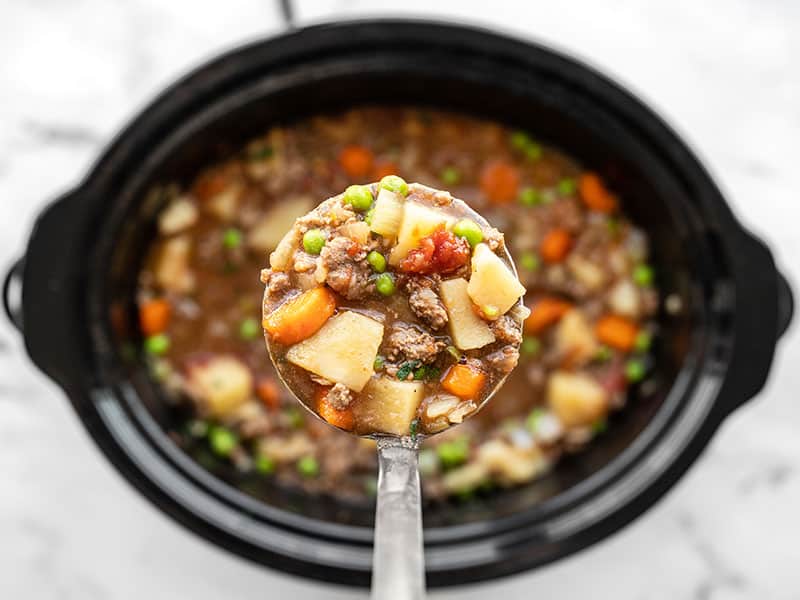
79	274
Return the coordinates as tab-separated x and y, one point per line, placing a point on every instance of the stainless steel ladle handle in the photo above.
398	568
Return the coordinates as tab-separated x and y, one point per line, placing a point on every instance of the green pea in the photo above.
529	261
157	345
249	329
308	466
359	197
519	140
532	420
469	230
265	465
533	151
643	341
313	241
368	216
395	184
232	238
222	440
531	346
384	283
603	354
529	196
453	453
378	363
635	370
377	261
371	487
295	417
450	176
567	187
643	275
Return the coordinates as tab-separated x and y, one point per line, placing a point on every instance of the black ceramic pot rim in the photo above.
601	504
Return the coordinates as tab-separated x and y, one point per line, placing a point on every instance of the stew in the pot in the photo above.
590	289
392	309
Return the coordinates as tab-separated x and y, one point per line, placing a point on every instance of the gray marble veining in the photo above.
726	73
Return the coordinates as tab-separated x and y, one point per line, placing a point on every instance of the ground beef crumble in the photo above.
425	303
506	330
340	396
406	342
348	275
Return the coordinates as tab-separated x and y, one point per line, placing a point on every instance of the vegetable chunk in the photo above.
418	222
342	351
577	399
300	317
222	384
467	329
493	288
387	405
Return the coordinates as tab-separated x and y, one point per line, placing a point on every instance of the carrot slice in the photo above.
268	392
342	418
595	195
154	316
301	317
384	168
464	381
545	312
617	332
556	245
356	161
500	182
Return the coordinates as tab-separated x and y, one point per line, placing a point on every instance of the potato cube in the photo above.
387	405
221	384
577	399
418	221
267	233
342	351
575	338
467	329
492	284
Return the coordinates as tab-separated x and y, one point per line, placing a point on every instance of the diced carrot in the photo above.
154	316
595	195
301	317
210	185
618	332
356	161
464	381
556	245
384	168
500	182
269	392
342	418
545	312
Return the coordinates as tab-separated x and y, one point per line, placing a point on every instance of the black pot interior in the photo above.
537	102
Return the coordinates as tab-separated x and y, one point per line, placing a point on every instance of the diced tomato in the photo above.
440	252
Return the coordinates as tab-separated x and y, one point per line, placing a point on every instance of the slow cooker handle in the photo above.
764	309
12	293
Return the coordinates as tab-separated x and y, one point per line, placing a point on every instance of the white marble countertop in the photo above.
724	72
